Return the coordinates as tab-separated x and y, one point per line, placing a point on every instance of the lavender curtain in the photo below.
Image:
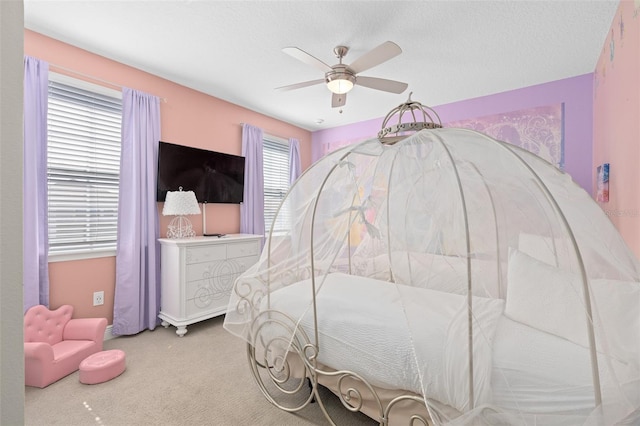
294	160
252	208
34	212
137	292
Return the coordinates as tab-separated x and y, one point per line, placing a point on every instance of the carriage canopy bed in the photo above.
438	276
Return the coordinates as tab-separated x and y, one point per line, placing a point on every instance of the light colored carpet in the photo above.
202	378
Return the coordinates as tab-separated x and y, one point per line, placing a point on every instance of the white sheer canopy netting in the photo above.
460	268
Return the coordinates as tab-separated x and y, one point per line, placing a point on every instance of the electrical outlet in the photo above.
98	298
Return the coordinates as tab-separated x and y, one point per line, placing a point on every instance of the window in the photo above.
276	183
83	166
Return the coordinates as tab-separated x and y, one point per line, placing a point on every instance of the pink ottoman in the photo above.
102	366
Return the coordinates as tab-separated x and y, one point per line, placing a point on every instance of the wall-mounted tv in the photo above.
215	177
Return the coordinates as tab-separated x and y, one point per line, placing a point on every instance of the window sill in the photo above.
81	255
277	234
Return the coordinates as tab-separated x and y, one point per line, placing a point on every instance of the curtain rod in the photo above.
96	79
280	138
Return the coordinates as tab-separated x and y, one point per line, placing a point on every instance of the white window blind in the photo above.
276	184
83	167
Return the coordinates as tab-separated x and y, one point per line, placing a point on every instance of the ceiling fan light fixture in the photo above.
340	83
341	78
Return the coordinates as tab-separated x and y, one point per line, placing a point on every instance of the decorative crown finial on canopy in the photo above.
390	134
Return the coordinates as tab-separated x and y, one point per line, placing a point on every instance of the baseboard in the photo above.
107	333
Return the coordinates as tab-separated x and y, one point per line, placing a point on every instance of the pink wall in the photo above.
616	124
576	93
188	118
73	283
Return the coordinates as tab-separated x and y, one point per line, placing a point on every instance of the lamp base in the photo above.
180	227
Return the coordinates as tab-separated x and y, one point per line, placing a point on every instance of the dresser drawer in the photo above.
244	263
202	271
206	254
249	248
218	276
206	303
214	289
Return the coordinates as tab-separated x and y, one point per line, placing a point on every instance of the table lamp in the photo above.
180	203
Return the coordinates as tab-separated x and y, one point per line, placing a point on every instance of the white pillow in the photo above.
545	297
554	251
376	267
551	300
616	313
432	271
445	273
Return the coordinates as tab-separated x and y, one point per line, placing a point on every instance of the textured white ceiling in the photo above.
452	50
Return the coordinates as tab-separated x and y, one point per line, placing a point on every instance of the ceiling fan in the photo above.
341	78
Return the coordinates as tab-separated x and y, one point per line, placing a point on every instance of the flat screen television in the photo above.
214	177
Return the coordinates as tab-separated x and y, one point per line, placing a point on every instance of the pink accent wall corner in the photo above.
616	122
188	118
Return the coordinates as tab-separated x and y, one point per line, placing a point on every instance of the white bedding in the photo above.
432	271
363	328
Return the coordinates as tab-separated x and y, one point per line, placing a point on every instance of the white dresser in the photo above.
197	275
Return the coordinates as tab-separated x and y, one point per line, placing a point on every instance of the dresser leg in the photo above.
164	324
182	330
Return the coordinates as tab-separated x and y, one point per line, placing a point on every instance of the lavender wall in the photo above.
576	93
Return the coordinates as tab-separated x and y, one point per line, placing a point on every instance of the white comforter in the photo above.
363	328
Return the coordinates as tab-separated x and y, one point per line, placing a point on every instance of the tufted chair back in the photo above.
43	325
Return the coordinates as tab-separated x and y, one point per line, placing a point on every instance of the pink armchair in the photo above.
55	344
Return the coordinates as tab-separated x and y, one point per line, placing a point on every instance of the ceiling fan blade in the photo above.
301	85
303	56
381	84
376	56
338	100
